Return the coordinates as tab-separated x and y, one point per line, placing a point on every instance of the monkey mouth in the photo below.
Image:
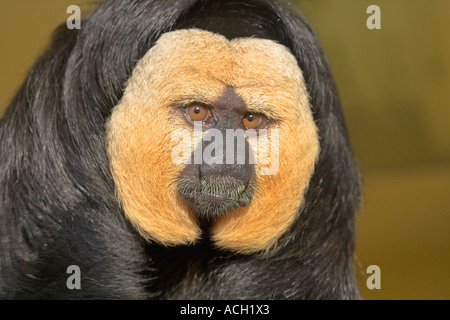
210	199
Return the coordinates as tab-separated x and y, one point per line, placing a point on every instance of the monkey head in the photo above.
190	90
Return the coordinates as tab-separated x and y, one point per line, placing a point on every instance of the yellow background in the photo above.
395	88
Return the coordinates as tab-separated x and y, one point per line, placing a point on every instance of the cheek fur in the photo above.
278	197
139	148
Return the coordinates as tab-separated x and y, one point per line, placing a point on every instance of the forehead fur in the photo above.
196	65
208	62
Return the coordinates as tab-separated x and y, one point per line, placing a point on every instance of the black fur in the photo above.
57	201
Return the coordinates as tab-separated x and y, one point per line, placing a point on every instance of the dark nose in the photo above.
224	179
228	160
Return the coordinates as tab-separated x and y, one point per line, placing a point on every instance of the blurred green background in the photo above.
395	88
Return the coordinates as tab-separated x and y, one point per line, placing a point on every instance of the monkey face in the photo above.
193	85
216	182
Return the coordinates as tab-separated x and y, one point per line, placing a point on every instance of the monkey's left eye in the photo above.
254	121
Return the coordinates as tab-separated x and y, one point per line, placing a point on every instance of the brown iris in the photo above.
254	121
197	112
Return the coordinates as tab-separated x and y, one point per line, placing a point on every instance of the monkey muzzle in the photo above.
214	198
215	194
212	190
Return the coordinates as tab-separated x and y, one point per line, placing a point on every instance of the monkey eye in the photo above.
254	121
198	112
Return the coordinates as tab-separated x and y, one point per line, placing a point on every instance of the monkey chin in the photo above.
208	203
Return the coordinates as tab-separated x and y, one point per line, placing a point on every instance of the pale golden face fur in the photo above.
196	65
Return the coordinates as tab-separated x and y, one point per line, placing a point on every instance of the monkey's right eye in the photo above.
200	113
197	113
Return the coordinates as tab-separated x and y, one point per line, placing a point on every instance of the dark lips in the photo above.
214	204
